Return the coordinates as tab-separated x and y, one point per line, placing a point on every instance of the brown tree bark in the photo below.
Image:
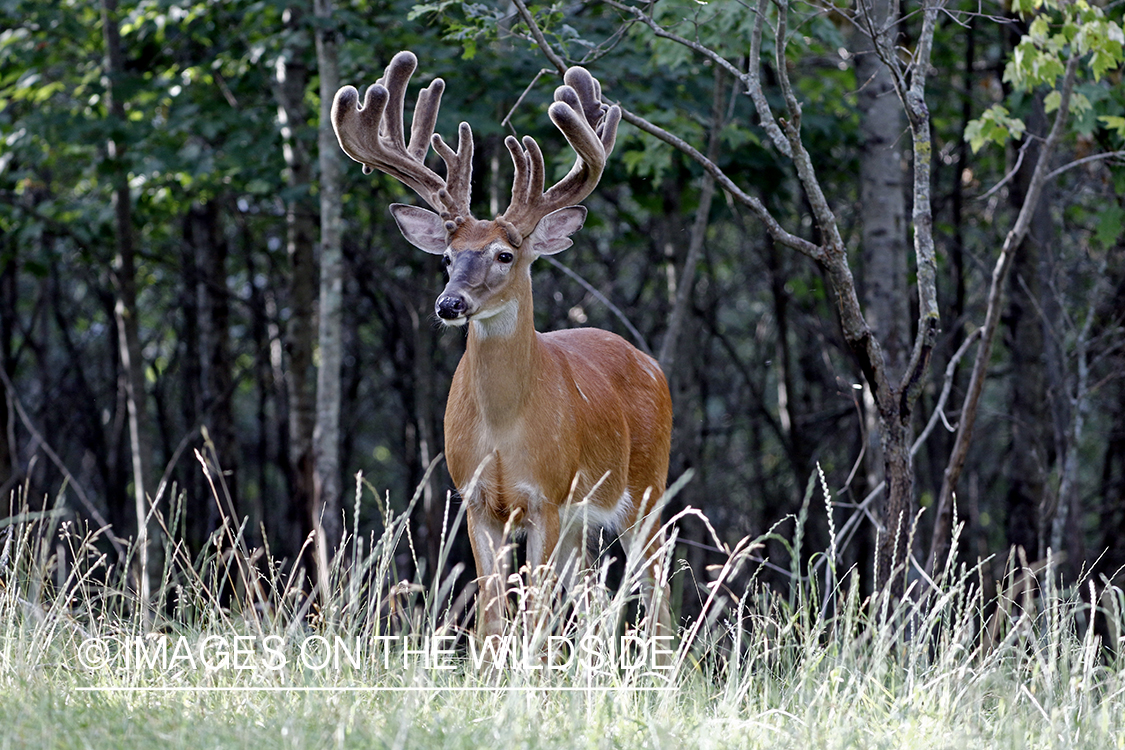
425	401
271	454
896	392
677	355
199	511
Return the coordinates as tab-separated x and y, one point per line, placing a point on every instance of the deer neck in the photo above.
503	357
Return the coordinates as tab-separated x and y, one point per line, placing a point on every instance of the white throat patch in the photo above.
499	323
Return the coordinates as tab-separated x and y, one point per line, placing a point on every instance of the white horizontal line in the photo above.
347	689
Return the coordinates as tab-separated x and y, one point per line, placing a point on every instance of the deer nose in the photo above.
450	306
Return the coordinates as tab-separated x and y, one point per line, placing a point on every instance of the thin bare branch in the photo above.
781	33
754	87
775	230
642	344
825	219
938	413
857	333
1085	160
541	40
508	117
929	317
1011	172
884	49
750	79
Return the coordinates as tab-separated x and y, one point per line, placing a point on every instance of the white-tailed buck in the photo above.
561	429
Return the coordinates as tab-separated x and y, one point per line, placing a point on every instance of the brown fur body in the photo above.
549	420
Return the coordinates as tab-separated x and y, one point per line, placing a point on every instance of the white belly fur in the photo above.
572	517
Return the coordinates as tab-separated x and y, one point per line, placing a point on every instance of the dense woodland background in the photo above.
160	213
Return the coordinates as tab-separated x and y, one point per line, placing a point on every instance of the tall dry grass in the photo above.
814	663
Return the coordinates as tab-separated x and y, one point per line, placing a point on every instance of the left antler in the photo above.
373	136
589	126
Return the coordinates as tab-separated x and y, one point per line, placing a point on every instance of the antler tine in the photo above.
373	136
591	129
605	118
587	170
589	93
458	175
395	79
425	119
529	170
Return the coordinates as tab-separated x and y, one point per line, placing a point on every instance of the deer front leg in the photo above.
542	539
492	555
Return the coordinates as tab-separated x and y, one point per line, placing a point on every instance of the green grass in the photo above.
811	666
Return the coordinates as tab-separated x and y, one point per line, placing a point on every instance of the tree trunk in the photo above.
263	501
893	550
423	401
326	436
683	289
199	512
896	402
883	277
1028	408
216	380
291	81
7	414
676	357
125	284
1111	489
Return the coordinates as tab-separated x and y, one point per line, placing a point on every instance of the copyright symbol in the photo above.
93	654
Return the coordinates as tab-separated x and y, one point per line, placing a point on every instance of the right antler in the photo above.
591	129
373	136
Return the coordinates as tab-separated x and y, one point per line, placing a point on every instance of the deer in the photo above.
545	433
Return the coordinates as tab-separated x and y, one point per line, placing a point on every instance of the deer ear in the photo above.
423	229
552	233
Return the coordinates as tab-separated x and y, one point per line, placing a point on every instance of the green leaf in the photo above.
993	126
1102	61
1114	123
1039	30
1079	104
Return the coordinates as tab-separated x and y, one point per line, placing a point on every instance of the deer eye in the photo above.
505	257
446	261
